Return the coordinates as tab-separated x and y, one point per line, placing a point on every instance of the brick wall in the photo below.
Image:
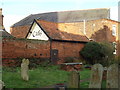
67	49
13	49
92	28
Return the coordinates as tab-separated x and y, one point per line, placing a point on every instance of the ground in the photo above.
42	77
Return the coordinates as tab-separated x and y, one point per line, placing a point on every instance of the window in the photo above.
114	45
114	30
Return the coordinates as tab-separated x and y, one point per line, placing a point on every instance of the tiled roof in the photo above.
66	16
53	32
4	33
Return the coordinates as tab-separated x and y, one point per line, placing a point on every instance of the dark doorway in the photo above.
54	55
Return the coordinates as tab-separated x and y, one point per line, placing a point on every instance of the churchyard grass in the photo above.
41	77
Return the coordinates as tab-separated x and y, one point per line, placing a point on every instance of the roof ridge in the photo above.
72	10
84	9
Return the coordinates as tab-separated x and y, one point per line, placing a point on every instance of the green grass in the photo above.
41	77
84	76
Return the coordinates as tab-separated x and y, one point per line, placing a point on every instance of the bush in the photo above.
94	52
108	57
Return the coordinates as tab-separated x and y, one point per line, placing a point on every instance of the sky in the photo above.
15	10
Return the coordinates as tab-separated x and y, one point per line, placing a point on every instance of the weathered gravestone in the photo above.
96	76
74	80
24	69
119	76
112	76
1	84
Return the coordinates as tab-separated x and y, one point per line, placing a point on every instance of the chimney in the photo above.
1	19
84	27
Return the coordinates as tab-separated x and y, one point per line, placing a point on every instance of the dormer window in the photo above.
114	30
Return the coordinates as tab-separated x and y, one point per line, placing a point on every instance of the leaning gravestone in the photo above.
112	76
24	69
96	76
74	80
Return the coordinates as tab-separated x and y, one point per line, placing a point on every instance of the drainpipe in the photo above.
84	26
50	49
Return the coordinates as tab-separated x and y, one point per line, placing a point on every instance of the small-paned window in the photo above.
114	30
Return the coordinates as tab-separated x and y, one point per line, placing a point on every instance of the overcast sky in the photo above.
15	10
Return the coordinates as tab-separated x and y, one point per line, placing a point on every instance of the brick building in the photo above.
59	35
21	28
95	24
55	46
62	44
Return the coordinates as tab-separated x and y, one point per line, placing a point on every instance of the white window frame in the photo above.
114	28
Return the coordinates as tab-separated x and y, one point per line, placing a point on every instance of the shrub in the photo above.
94	52
107	50
91	52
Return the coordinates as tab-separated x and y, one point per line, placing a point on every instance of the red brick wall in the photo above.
21	48
16	48
67	49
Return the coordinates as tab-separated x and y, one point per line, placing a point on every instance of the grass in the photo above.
85	76
41	77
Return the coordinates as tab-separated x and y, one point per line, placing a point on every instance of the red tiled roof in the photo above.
52	31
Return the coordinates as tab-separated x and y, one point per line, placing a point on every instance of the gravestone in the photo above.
119	76
112	76
24	69
96	76
1	85
74	80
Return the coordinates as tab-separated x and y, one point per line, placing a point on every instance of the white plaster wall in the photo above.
37	33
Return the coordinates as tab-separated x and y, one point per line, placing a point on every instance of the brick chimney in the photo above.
1	19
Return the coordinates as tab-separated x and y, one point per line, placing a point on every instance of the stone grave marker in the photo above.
119	76
1	85
96	76
74	80
112	76
24	69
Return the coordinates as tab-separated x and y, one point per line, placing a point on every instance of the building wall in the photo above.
15	48
67	49
74	28
37	33
91	28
